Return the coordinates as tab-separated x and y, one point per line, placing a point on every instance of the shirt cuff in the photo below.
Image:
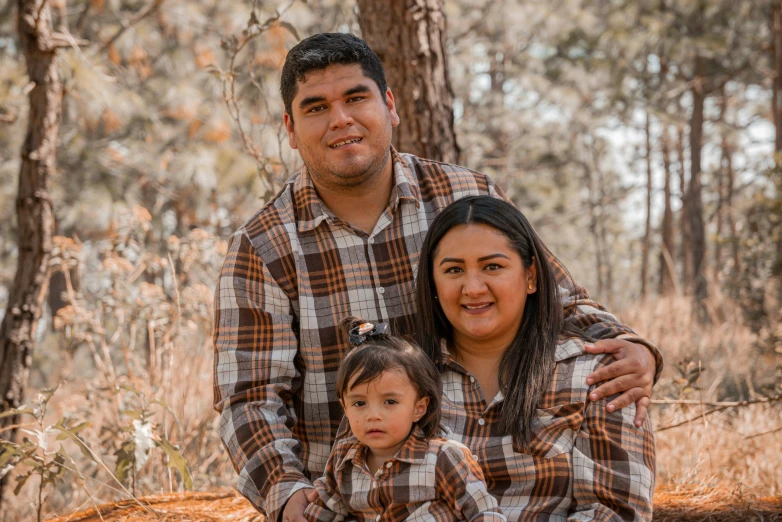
658	357
278	496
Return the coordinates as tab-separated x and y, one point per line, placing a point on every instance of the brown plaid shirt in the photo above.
292	272
583	463
427	481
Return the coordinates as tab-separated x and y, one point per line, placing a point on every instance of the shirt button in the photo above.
381	290
475	457
472	379
481	422
377	518
371	240
389	464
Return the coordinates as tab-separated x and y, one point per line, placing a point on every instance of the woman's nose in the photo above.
473	284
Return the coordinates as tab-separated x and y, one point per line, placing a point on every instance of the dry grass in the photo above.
154	335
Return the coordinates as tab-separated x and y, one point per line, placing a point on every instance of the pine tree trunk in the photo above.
409	38
776	103
694	201
667	264
33	208
685	252
648	231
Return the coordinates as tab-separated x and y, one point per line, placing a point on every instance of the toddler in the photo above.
390	465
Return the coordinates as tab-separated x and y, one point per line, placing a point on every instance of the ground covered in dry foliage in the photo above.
680	505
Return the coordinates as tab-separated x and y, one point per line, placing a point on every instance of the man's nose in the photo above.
340	117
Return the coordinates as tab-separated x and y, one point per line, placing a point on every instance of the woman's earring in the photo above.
435	297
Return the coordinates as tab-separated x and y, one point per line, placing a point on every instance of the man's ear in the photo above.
392	108
420	408
289	127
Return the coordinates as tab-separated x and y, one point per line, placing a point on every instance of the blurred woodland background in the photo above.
642	138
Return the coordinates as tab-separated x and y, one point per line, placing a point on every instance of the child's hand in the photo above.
294	508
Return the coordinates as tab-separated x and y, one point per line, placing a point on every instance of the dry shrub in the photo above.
737	449
133	351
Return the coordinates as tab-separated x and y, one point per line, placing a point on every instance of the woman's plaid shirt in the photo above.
583	463
292	272
427	481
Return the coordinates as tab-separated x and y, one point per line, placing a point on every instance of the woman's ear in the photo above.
532	277
420	408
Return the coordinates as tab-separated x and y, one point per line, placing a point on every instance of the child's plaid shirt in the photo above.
427	481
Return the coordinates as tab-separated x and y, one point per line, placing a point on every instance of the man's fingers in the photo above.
608	389
641	410
612	346
615	369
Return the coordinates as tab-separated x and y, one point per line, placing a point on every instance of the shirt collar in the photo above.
311	211
567	347
412	451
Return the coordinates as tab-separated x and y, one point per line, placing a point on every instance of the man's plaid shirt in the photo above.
434	480
292	272
583	463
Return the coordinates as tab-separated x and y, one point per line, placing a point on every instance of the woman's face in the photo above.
481	285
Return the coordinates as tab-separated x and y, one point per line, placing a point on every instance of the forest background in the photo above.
641	138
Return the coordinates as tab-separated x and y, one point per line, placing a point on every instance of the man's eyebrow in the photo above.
310	100
358	89
492	256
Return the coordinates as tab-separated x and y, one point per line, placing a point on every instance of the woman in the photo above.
514	387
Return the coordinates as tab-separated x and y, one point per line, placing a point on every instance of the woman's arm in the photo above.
613	465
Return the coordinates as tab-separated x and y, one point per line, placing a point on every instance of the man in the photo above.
341	238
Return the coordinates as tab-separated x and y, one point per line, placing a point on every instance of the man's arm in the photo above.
613	466
254	377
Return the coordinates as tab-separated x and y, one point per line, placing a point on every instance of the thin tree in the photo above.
34	215
409	38
667	265
646	246
694	198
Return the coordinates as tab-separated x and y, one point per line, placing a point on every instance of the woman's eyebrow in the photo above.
451	260
492	256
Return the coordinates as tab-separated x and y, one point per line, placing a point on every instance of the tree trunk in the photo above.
667	265
694	201
33	207
648	231
685	252
776	103
409	38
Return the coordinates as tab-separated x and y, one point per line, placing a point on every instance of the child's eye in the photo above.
358	404
391	401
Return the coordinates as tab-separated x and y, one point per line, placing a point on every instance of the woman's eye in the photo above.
453	270
493	266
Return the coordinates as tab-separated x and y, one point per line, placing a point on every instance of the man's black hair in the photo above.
321	50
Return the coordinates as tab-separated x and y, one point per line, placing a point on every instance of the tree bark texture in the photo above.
409	38
685	252
776	102
33	206
694	200
667	264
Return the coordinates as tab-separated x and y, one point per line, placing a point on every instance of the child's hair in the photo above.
376	353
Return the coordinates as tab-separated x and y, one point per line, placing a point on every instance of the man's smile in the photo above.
345	142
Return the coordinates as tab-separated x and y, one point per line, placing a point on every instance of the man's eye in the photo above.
356	98
317	108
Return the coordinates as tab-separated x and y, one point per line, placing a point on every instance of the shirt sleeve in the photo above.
255	379
460	483
613	466
583	312
329	506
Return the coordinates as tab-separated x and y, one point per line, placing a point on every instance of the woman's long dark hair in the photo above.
527	366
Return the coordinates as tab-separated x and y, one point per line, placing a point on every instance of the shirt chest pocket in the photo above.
553	433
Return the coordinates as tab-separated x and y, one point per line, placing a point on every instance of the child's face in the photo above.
382	412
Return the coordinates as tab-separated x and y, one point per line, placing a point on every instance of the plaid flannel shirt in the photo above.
583	463
436	480
292	272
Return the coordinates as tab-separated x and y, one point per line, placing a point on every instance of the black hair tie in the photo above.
366	331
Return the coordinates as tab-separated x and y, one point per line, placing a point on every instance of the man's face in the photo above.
341	126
